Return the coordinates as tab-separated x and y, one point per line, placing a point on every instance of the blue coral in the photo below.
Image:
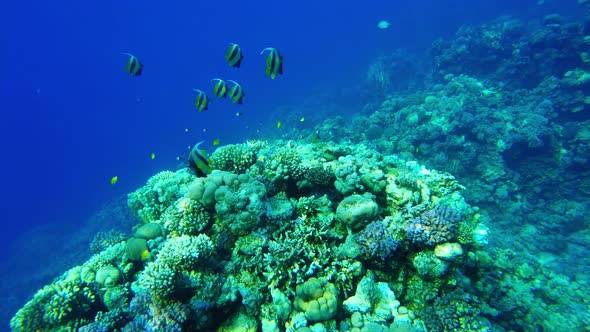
437	225
376	240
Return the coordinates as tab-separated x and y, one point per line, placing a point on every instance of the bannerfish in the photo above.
134	67
153	156
201	101
236	93
220	88
114	180
279	124
274	62
216	142
234	55
198	161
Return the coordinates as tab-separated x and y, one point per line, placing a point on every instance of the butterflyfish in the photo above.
198	161
220	88
274	62
201	100
236	93
134	67
234	55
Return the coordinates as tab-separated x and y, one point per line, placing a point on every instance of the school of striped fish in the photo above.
198	159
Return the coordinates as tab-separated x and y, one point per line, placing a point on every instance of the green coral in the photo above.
236	158
317	299
240	208
186	217
116	297
149	202
356	211
178	255
465	233
185	252
64	302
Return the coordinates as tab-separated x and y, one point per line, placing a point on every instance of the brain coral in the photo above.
318	299
355	211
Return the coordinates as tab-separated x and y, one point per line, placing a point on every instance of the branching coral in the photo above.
234	158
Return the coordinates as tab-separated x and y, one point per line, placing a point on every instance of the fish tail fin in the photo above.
281	65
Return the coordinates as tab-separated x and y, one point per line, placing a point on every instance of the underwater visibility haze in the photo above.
299	166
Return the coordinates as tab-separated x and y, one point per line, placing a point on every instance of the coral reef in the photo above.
219	252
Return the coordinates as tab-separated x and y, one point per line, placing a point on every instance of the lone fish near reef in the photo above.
114	180
220	88
383	24
134	67
274	62
201	100
236	93
198	161
234	55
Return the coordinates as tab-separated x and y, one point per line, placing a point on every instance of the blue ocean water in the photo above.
72	118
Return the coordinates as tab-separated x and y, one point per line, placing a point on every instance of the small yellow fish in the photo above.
145	255
153	156
279	124
216	142
114	180
302	119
